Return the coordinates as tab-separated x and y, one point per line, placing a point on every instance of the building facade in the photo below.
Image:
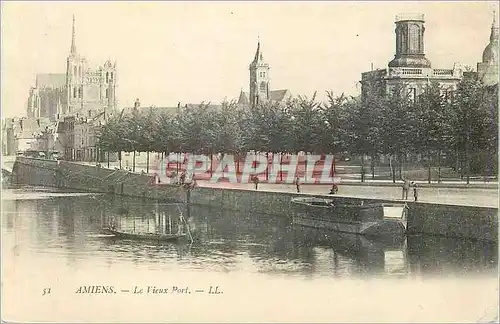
410	68
82	90
260	89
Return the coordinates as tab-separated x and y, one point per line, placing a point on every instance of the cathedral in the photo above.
81	91
259	84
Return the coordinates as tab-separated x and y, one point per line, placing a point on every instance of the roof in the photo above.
50	80
274	95
278	95
243	99
155	110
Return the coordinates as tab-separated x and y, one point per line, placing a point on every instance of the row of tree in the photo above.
462	125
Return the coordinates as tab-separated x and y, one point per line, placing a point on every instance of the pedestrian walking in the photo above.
415	190
406	188
255	180
297	184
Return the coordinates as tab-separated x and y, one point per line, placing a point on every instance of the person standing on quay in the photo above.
297	184
406	188
415	191
255	180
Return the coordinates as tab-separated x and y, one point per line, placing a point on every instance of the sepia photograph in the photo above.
249	161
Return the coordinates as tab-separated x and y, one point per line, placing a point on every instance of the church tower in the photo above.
259	79
75	70
410	42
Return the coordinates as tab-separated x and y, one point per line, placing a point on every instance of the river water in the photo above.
260	267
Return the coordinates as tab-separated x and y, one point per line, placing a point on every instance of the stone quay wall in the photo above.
74	176
479	223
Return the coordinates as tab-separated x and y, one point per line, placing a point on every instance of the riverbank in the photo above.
478	197
464	221
344	175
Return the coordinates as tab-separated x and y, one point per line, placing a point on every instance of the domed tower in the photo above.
410	42
488	69
259	78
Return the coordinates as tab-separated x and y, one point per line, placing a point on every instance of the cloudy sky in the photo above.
168	52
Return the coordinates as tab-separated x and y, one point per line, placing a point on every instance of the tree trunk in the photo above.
429	167
439	166
332	168
147	162
281	169
305	168
108	158
467	162
362	168
372	166
120	159
221	158
390	167
267	166
467	167
393	170
133	163
400	165
211	162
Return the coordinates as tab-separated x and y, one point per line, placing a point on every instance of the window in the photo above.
263	86
111	77
107	79
404	39
414	38
80	71
74	92
107	91
75	71
80	92
90	113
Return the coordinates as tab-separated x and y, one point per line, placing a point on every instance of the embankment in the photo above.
424	218
437	219
68	175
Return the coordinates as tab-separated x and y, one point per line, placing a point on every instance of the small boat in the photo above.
379	219
144	236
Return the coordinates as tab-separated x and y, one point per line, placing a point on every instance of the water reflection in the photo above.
71	228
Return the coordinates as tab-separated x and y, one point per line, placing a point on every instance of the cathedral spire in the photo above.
258	54
73	39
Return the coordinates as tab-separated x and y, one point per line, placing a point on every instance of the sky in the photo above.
189	52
